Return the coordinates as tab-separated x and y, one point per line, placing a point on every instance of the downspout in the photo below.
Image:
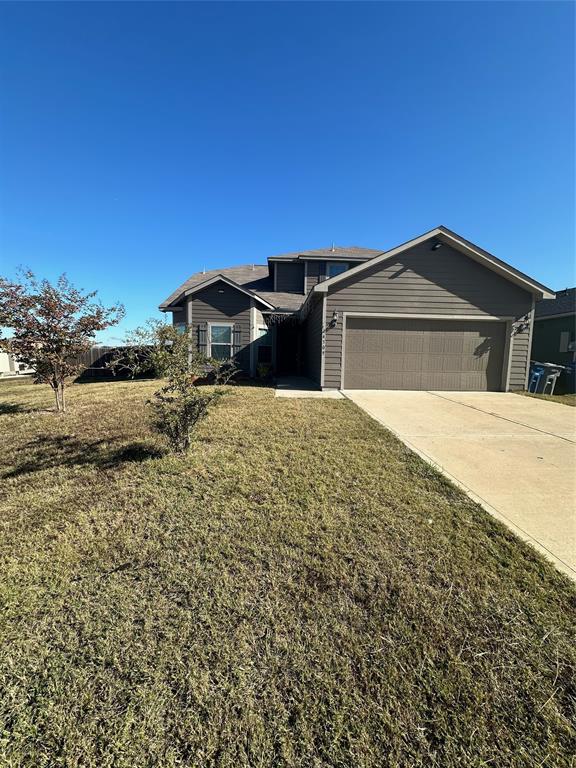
252	337
190	329
323	345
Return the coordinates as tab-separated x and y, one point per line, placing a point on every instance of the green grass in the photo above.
563	399
298	591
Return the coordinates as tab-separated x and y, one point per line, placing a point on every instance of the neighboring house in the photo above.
554	337
436	313
10	366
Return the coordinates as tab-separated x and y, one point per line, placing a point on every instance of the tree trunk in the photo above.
60	397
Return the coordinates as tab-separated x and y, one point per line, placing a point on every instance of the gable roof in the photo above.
445	235
223	279
563	304
252	279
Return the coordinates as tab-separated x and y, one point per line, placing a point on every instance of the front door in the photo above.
288	349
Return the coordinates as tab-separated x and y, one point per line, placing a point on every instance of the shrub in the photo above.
165	352
177	410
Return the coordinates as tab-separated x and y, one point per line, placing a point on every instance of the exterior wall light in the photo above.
334	319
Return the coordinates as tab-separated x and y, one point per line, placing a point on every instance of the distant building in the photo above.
554	335
10	366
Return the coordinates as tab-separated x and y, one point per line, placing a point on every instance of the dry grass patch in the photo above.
298	591
562	399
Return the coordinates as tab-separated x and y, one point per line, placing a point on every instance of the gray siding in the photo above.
520	353
289	277
421	281
315	273
546	340
231	306
313	341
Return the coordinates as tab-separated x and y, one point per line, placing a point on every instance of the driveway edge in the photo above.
522	534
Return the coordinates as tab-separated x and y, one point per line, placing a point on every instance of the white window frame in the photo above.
219	343
339	263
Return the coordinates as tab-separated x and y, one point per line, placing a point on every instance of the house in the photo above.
11	366
436	313
554	337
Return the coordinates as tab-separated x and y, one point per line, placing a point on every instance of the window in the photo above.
180	327
564	341
220	345
263	346
334	268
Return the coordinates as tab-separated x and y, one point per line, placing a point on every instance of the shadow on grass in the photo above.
48	452
109	379
9	408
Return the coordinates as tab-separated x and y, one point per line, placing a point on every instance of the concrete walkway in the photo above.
514	455
299	386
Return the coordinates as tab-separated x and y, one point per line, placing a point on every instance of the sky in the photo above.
142	142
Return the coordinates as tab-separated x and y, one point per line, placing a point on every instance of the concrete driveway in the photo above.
514	455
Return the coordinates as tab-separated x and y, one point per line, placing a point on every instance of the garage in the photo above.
424	354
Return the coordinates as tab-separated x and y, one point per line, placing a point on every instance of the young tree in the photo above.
51	326
134	357
162	350
179	405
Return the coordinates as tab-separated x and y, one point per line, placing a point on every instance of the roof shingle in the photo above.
253	277
256	277
563	304
336	252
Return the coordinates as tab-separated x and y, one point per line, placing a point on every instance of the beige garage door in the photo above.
423	354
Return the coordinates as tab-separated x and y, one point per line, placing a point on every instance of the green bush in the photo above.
178	406
176	412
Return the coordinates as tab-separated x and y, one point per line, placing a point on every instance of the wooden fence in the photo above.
94	362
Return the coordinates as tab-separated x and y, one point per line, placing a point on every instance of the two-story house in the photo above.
435	313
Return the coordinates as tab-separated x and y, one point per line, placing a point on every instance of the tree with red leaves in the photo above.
51	327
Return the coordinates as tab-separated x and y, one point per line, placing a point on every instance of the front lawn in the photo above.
298	591
563	399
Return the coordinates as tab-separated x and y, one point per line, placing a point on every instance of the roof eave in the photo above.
205	284
497	265
450	238
334	257
558	316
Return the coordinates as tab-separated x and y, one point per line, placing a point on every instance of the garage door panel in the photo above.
391	380
413	343
424	354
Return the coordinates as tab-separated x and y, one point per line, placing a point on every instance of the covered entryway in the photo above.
288	347
424	354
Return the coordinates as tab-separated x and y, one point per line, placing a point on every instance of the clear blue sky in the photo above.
143	141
